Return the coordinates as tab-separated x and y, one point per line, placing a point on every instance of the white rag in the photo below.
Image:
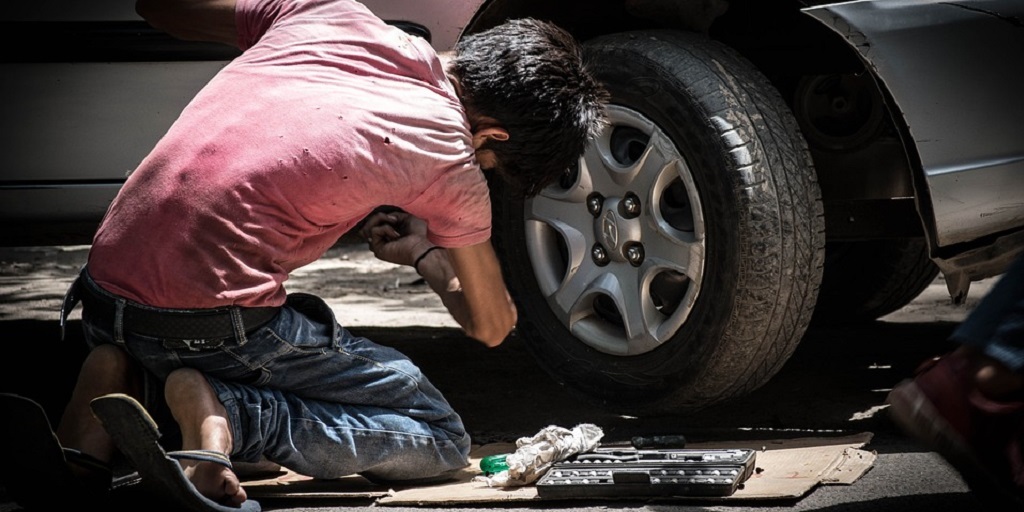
534	455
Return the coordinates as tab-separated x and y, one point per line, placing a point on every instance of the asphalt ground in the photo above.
835	384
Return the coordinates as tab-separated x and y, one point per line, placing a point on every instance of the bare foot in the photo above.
216	482
204	426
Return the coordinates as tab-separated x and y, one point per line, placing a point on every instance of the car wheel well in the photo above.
859	155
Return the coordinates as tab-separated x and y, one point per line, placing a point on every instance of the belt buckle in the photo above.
194	345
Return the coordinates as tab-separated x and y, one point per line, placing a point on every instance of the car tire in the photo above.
866	280
677	266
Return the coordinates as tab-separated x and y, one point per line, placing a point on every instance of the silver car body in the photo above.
962	108
73	130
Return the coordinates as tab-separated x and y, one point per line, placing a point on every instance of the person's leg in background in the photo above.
993	334
968	405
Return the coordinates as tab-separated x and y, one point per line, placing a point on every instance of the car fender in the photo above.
959	104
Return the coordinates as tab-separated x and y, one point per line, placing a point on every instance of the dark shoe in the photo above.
36	470
137	436
982	438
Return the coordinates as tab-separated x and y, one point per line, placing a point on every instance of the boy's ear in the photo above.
491	132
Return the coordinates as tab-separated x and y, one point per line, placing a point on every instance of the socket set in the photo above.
621	472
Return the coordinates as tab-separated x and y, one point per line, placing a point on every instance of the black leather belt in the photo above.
185	324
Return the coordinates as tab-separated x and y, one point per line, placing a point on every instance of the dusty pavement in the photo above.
362	290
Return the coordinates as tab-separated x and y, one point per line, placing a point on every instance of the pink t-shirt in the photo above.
327	114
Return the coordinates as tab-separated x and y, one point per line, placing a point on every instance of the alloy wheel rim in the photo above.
618	245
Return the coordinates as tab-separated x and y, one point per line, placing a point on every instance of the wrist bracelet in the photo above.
416	264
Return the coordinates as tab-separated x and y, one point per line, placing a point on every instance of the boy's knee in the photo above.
183	379
109	358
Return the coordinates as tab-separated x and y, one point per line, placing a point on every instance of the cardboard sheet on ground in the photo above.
785	469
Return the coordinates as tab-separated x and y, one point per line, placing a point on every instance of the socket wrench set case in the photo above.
621	472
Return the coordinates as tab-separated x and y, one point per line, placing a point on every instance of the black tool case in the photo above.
624	472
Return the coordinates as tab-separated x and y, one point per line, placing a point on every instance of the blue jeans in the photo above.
996	325
306	394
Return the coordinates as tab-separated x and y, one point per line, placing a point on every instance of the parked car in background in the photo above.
768	164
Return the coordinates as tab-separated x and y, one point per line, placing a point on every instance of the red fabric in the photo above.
992	429
326	115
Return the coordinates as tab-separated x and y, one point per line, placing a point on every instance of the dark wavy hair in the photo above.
531	77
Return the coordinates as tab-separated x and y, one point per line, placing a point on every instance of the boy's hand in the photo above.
396	237
468	279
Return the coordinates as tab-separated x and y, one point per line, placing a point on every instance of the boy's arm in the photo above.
468	279
192	20
470	284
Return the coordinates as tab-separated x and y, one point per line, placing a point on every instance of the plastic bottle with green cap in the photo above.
492	464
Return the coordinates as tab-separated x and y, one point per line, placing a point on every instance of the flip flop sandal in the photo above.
36	465
136	435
